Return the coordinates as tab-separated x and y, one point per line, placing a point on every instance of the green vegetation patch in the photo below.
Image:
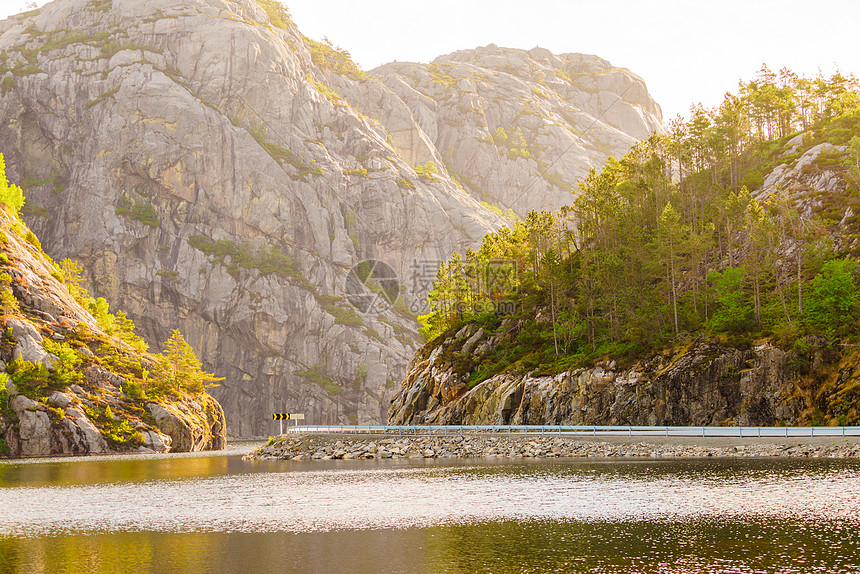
35	381
234	256
59	39
279	15
342	315
7	85
282	155
101	5
108	49
317	374
404	183
358	172
333	97
427	172
329	57
103	96
142	212
440	76
119	433
511	142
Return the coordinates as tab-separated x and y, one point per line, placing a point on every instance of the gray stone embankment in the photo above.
329	447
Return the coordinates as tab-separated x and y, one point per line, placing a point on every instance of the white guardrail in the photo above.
425	430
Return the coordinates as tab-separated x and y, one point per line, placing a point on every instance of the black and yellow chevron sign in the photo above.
281	416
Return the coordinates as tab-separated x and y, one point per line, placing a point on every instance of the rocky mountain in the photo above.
518	128
72	388
216	171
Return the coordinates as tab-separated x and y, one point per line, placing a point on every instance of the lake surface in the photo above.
216	513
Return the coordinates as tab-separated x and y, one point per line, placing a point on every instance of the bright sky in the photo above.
686	50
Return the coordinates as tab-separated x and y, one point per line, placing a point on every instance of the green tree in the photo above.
854	146
733	311
72	274
760	230
8	302
672	235
11	196
100	311
184	369
832	303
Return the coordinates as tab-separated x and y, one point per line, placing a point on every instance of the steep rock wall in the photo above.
705	383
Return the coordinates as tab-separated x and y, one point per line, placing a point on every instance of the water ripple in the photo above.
381	498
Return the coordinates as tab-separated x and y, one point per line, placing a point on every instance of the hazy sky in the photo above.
686	51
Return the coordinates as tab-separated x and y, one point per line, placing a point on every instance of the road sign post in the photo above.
281	417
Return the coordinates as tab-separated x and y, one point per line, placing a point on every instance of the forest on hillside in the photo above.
674	240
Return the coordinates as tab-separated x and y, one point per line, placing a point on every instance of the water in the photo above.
219	514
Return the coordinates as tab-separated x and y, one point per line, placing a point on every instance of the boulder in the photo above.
188	428
156	441
28	345
83	437
34	427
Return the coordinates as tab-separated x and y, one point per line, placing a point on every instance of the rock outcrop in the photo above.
190	425
78	404
217	172
703	384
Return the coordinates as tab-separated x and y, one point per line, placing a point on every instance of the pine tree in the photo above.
184	368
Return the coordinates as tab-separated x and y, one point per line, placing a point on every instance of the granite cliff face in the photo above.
518	128
75	401
215	171
704	383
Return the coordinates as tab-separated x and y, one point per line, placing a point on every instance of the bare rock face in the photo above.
187	428
517	128
29	347
706	384
216	172
34	432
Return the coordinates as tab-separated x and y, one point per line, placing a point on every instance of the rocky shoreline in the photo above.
338	447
